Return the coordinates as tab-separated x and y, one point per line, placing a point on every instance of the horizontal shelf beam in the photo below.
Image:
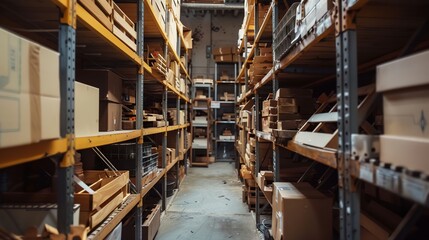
106	138
27	153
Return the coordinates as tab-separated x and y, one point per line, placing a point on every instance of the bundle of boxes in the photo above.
288	111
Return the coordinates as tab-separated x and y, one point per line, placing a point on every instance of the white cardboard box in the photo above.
86	110
29	91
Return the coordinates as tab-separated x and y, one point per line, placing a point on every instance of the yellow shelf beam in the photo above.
31	152
153	130
89	21
106	138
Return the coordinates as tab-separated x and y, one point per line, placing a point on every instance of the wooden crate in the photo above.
109	192
123	27
151	222
101	9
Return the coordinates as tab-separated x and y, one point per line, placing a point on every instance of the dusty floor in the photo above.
208	206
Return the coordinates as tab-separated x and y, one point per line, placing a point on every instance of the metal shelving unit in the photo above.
76	24
222	147
352	42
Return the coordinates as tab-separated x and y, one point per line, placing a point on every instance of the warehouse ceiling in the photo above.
201	7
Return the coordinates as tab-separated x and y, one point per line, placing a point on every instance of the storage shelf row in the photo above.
346	45
83	41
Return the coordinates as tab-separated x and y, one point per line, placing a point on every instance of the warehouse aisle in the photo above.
209	206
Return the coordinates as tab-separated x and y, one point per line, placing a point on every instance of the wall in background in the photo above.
213	30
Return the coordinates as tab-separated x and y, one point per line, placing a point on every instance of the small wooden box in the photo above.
151	222
109	192
101	10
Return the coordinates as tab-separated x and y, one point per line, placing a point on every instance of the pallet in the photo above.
124	28
101	9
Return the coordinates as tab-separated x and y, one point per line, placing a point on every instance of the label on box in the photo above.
415	189
388	179
366	172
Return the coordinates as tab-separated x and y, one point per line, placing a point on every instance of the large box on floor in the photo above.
406	108
109	84
110	116
29	91
86	109
297	206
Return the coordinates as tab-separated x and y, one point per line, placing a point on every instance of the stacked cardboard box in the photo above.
265	181
260	66
297	206
294	106
224	54
110	90
405	105
172	116
29	91
269	115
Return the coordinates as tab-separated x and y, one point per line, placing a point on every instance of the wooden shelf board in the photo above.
105	138
31	152
329	158
115	218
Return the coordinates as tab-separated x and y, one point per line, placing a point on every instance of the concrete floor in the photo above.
208	206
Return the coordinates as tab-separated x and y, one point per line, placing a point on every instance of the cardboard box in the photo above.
109	84
289	124
397	151
299	205
29	91
110	116
86	121
405	102
151	222
187	35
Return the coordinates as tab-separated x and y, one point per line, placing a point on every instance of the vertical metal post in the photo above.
139	119
215	110
276	149
164	149
178	139
347	125
257	162
186	139
237	160
65	170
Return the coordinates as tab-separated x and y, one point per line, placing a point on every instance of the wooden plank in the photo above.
324	117
313	139
324	156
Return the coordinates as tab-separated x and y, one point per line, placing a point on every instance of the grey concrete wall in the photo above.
213	30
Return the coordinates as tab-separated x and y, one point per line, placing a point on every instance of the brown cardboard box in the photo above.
397	151
110	116
391	75
289	124
86	110
109	84
29	91
298	205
